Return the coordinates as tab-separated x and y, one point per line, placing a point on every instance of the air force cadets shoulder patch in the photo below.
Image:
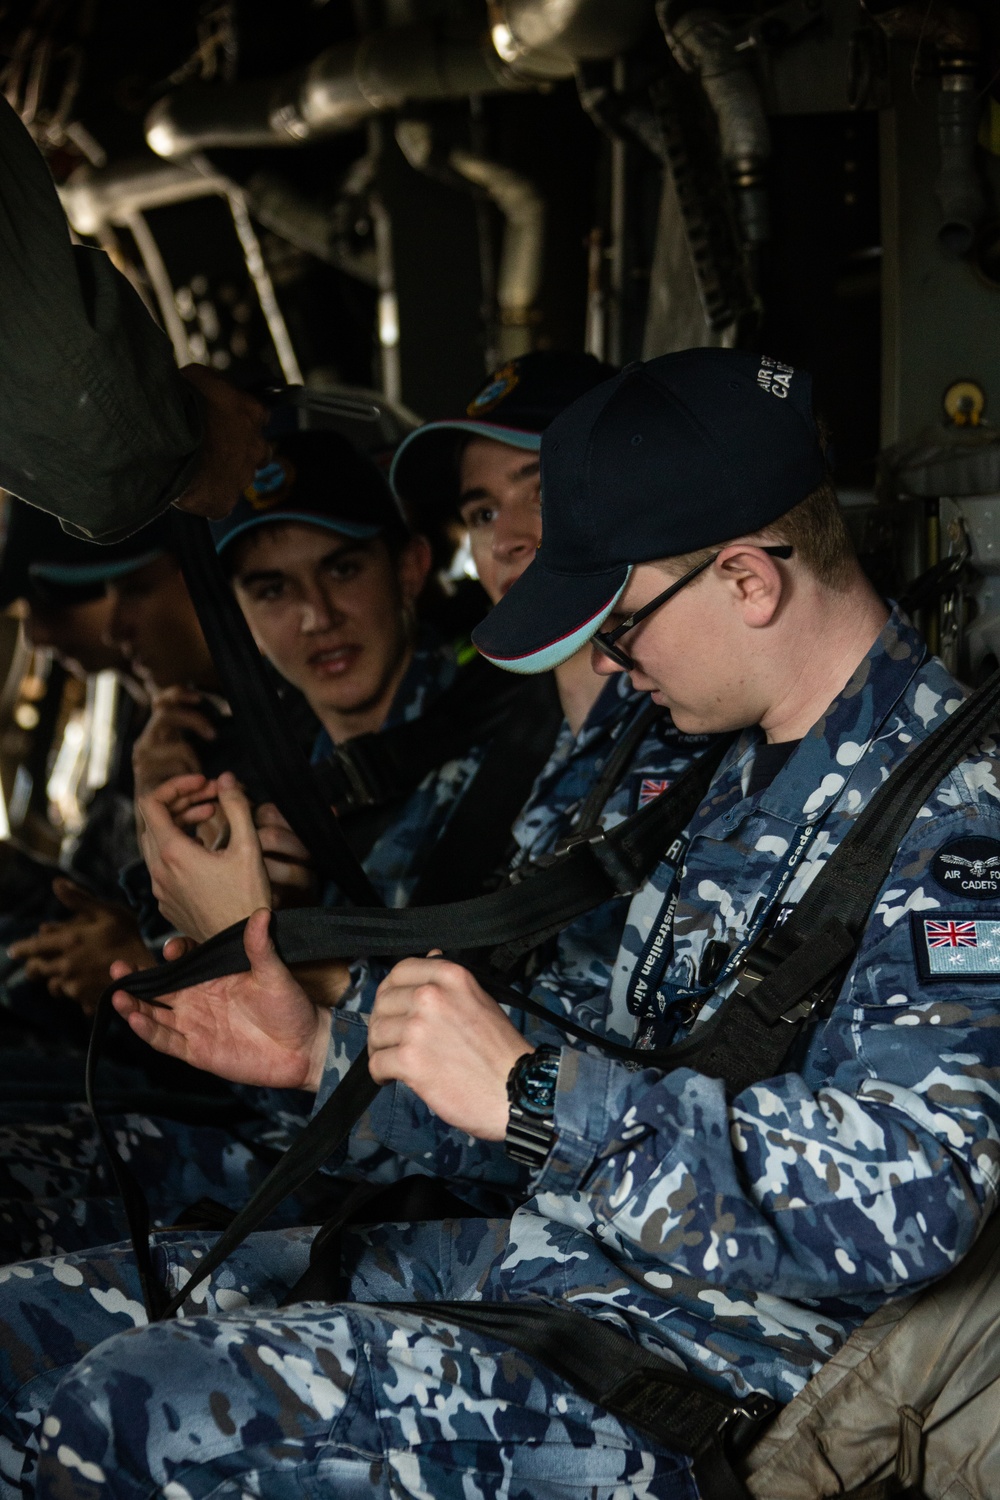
955	945
969	868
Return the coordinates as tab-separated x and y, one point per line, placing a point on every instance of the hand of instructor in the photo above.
233	446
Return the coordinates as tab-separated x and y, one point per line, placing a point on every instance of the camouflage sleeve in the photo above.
872	1167
96	425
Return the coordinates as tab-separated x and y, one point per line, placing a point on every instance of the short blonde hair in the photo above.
815	528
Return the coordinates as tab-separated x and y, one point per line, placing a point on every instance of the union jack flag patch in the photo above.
951	934
956	947
650	789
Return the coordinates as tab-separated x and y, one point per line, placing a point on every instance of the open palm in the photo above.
259	1027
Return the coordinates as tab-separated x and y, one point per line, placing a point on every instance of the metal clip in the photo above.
754	1407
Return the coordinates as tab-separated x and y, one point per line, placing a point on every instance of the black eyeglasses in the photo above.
605	639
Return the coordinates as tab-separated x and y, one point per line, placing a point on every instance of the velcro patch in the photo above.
955	945
651	787
969	867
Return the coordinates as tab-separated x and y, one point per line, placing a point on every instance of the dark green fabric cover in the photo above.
96	425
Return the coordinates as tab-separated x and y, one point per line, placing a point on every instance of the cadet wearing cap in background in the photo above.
687	517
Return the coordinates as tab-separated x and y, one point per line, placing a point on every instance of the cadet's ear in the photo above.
412	567
754	580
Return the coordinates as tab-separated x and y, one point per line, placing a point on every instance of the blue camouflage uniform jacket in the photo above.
746	1238
570	974
396	858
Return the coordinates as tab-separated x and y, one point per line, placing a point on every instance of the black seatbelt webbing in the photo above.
591	869
381	766
278	759
795	969
607	1367
570	884
478	834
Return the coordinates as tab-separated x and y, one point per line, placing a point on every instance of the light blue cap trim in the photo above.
514	437
356	530
83	573
559	651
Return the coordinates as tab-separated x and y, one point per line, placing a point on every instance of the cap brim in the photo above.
546	616
358	531
422	471
77	575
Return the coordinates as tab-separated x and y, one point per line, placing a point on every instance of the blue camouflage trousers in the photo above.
57	1193
312	1400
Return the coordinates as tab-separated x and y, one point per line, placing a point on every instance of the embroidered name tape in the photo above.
948	946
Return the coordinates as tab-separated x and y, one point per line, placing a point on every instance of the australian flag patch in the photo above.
650	788
956	946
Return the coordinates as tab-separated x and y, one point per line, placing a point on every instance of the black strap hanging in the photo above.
278	759
478	833
385	765
589	869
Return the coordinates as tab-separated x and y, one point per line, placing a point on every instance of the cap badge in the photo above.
774	377
502	382
270	484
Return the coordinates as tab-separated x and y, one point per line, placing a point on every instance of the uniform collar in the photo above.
818	770
432	669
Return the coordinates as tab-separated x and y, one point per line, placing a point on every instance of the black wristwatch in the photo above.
531	1090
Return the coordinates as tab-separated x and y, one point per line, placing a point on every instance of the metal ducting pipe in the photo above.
531	41
93	197
704	43
545	39
958	188
953	31
339	90
519	275
280	207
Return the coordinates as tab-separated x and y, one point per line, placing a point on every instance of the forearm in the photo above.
802	1194
399	1132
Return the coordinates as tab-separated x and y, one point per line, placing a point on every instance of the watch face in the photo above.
537	1084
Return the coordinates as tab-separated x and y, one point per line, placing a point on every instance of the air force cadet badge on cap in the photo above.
270	484
501	384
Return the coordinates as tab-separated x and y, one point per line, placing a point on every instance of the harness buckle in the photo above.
359	792
562	850
755	1407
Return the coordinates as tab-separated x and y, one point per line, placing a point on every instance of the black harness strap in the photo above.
278	759
787	976
614	1372
373	769
478	833
794	970
591	868
616	765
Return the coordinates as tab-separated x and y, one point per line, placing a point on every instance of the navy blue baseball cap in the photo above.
515	406
319	478
45	564
680	453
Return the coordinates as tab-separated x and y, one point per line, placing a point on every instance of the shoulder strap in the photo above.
589	869
277	758
477	836
784	980
380	767
794	971
617	764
